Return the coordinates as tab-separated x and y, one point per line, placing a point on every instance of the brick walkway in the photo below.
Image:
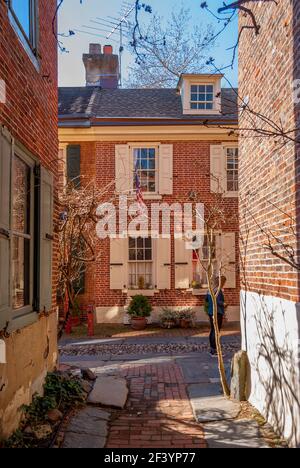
158	413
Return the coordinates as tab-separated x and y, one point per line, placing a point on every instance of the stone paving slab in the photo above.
234	434
216	408
88	429
109	391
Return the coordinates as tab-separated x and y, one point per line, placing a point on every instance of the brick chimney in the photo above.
102	69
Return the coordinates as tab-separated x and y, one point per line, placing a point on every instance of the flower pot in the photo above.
138	323
169	324
185	323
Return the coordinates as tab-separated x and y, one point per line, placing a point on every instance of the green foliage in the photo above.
187	314
61	392
168	315
140	307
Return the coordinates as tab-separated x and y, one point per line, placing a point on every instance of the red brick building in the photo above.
269	207
28	164
176	141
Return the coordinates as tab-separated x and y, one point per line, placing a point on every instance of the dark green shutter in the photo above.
73	164
46	240
6	149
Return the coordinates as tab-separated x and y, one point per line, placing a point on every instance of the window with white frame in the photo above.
232	168
145	169
21	233
24	13
140	263
202	97
200	263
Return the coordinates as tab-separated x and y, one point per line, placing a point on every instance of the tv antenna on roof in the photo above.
110	26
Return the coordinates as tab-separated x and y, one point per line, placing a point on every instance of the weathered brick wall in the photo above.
267	166
191	172
30	114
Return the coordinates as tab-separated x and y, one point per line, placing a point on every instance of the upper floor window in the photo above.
202	97
24	13
145	169
232	164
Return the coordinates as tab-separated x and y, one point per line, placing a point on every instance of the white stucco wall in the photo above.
271	332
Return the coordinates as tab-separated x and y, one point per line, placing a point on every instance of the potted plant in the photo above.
168	318
138	310
187	318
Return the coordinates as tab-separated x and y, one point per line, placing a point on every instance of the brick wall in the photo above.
191	172
268	66
30	114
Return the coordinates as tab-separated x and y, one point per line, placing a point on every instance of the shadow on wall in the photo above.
273	352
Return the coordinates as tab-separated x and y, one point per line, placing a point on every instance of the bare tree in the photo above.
76	228
164	52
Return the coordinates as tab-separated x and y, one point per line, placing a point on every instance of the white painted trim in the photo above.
271	331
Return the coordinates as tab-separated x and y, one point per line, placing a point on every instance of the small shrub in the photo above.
140	307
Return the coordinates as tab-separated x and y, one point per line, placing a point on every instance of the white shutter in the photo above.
229	259
46	239
163	263
118	263
183	265
124	169
6	148
165	169
217	169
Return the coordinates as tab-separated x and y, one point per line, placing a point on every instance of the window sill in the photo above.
199	292
231	195
22	321
146	196
23	41
141	292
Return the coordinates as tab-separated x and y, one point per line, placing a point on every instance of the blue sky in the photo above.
75	16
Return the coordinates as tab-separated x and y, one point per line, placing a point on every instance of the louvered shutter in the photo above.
46	240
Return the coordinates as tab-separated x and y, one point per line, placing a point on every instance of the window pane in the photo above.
20	272
21	9
209	106
209	89
209	97
21	197
194	97
194	88
194	106
201	89
201	105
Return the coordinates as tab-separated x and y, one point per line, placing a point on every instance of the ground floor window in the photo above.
21	233
200	263
140	263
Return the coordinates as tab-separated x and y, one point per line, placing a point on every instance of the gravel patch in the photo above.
142	349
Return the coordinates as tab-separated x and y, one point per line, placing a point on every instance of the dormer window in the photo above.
202	97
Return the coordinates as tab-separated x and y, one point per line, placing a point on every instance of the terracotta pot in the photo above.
138	323
185	323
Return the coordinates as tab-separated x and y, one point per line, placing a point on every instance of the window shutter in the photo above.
183	265
6	148
217	169
124	169
163	264
165	169
46	240
118	263
229	259
73	164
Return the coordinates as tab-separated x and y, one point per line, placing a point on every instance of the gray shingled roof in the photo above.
94	102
